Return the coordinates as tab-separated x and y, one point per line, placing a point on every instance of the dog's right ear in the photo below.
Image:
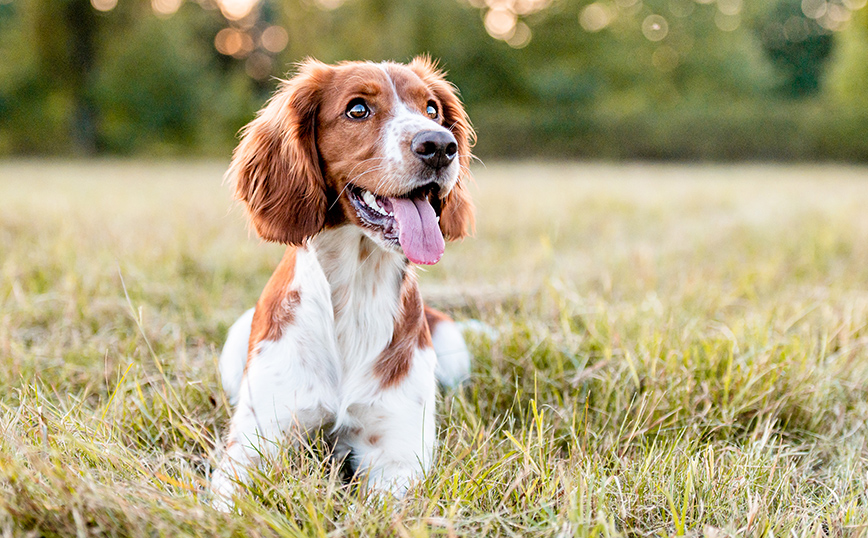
275	168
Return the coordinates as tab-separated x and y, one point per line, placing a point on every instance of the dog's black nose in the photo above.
435	148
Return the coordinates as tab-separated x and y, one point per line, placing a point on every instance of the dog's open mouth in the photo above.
410	221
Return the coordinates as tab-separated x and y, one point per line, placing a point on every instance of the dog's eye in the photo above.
431	110
358	109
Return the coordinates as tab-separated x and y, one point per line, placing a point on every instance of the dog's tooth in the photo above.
370	200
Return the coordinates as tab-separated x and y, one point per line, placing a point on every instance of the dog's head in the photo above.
385	147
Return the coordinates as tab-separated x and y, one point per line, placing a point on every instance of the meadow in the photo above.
670	350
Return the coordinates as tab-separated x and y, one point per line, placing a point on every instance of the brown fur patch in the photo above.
374	439
277	304
411	332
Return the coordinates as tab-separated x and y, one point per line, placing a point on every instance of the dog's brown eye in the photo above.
431	110
358	109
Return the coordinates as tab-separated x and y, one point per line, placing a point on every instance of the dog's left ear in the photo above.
457	213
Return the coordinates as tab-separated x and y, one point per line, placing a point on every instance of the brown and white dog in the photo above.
360	168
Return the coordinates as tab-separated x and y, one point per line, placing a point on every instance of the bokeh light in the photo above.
500	23
166	7
814	9
235	10
595	17
520	37
501	19
274	39
838	13
101	5
232	42
729	7
727	23
524	7
655	27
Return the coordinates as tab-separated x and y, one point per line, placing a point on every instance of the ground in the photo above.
670	350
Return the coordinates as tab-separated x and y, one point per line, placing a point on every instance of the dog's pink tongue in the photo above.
418	230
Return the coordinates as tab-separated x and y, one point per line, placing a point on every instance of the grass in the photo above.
680	350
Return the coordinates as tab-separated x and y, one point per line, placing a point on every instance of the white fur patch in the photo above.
233	358
453	358
396	139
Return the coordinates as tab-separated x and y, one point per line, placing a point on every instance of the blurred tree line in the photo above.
620	79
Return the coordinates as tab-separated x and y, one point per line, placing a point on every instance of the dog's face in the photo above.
381	146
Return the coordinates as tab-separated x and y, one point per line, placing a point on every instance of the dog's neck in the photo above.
365	283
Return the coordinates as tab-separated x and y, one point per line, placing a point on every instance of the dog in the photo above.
361	169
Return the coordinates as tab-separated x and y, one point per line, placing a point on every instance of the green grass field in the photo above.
680	350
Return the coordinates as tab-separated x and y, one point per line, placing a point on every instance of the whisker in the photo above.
354	178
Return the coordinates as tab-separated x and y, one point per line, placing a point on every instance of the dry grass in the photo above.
680	350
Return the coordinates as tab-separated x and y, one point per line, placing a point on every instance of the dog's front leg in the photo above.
276	400
289	385
393	443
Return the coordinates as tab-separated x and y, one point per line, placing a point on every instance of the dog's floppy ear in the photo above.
275	168
457	213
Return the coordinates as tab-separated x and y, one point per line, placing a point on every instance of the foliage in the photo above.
134	80
799	46
161	63
676	351
849	75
